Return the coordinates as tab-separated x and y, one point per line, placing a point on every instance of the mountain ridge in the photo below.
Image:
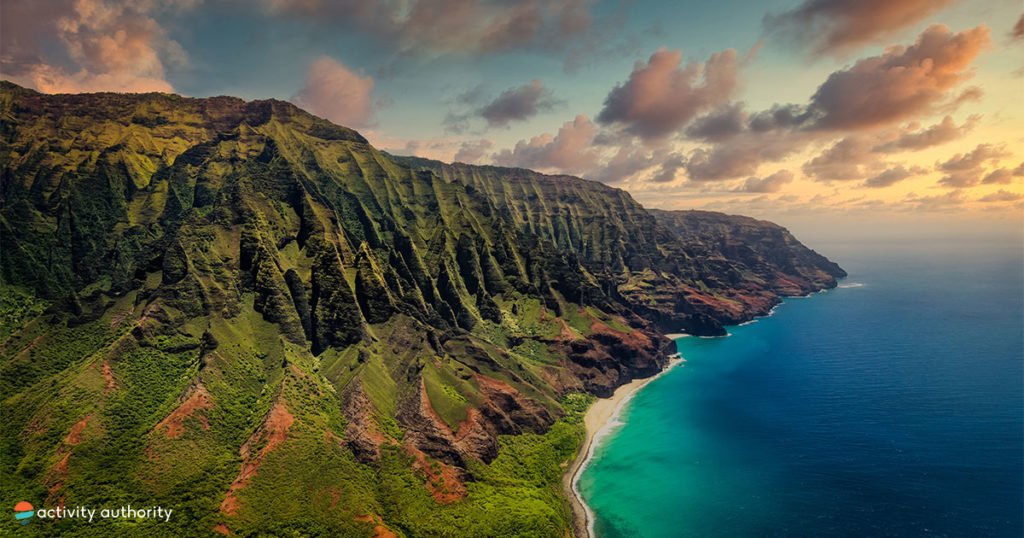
208	293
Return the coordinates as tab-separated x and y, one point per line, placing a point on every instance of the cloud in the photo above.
1001	196
568	151
938	202
335	92
440	148
902	82
742	155
662	95
840	26
897	85
891	176
858	101
1017	32
473	151
848	159
455	123
966	169
999	176
855	111
518	104
961	179
626	159
514	104
719	124
432	27
935	135
669	169
112	45
769	184
779	117
974	159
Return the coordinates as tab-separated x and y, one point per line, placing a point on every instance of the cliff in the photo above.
251	315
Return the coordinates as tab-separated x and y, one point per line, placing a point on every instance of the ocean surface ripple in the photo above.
891	408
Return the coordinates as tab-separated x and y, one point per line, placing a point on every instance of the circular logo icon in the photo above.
23	512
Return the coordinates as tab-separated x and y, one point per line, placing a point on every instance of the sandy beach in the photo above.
598	418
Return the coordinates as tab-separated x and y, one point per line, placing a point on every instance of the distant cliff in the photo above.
251	315
765	251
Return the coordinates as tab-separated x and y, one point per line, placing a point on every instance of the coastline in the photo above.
599	418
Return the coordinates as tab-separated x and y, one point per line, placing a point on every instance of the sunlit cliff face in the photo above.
870	111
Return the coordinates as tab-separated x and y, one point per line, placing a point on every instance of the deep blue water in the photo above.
895	408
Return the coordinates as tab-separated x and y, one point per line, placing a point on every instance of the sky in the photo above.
842	117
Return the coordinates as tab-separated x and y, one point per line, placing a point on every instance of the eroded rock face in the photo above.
509	411
362	433
785	265
608	358
283	290
503	411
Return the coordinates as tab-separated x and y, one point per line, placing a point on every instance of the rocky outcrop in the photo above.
607	358
399	305
768	250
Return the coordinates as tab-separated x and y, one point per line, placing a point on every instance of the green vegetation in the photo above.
249	315
16	307
518	494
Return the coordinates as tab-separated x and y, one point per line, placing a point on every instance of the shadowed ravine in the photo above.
250	315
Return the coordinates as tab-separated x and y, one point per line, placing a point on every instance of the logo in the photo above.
23	512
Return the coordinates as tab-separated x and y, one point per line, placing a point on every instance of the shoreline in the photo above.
599	418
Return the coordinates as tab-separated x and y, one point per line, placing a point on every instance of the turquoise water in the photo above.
891	408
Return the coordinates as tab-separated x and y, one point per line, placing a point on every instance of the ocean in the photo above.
890	406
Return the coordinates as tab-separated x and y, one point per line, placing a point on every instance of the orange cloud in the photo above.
335	92
742	154
847	159
935	135
1001	196
901	83
450	26
898	85
999	176
772	183
893	175
840	26
966	169
662	96
570	150
113	45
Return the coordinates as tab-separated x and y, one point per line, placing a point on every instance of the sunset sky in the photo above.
872	114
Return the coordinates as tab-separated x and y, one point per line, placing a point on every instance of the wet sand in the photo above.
598	418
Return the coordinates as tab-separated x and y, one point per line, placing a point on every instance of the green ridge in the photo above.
248	314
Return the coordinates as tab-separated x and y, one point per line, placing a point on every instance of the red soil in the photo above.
566	333
75	433
198	399
428	410
59	472
275	431
379	530
442	479
335	497
634	338
108	376
467	425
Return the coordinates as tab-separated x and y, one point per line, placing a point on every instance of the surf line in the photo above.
594	438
